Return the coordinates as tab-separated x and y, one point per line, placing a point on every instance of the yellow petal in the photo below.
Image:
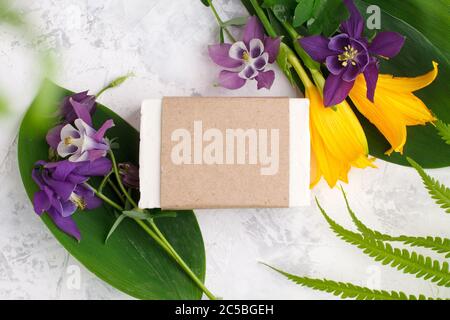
395	105
387	120
337	141
403	84
340	129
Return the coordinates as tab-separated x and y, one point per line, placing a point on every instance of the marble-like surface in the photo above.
164	44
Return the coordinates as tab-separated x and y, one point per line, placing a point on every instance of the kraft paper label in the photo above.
224	153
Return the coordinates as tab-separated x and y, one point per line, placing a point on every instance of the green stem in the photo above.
182	263
264	19
220	22
161	240
114	187
119	180
313	66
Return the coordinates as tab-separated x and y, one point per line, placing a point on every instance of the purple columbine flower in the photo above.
62	190
129	174
248	58
82	142
349	54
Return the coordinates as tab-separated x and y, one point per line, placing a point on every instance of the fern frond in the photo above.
403	260
346	290
439	245
362	227
439	192
443	130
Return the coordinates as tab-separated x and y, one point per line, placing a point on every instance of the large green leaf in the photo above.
131	261
426	42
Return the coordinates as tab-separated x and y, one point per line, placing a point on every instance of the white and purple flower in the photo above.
82	142
248	58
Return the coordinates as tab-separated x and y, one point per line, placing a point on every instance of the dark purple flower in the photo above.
62	190
129	174
248	58
349	54
71	106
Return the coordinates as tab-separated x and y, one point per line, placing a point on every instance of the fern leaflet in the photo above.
439	245
443	130
439	192
403	260
348	290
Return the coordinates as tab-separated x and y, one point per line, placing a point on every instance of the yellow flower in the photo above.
395	107
338	141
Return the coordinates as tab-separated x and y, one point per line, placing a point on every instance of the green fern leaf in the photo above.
403	260
440	245
347	290
443	130
439	192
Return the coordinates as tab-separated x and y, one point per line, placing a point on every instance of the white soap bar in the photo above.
150	153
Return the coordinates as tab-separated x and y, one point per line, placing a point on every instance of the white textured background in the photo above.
164	44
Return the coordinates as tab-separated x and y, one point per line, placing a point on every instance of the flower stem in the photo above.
220	22
119	180
182	263
157	235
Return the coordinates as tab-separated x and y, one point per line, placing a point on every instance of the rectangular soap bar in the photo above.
224	153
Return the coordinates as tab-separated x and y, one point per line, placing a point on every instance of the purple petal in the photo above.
354	26
41	202
261	62
96	154
81	111
272	46
371	76
101	132
253	30
350	73
68	208
63	189
54	136
317	47
100	167
338	43
249	72
62	169
66	225
265	79
237	51
387	44
230	80
336	90
334	65
256	48
219	53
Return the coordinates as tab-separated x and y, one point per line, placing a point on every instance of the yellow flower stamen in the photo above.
78	201
68	141
349	55
245	56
